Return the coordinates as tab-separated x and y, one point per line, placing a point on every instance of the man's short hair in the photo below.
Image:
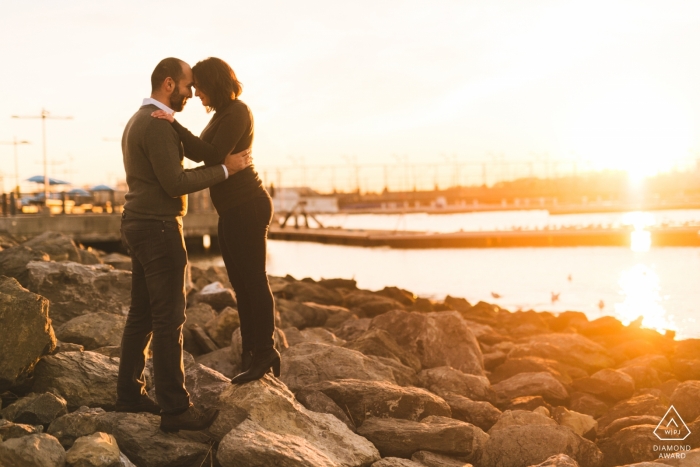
167	68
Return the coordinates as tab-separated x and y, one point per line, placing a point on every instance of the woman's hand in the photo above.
163	115
239	161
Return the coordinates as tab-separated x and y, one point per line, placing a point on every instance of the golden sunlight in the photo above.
641	289
640	240
633	129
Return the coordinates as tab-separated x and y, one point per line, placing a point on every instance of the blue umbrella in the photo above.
52	181
79	192
102	188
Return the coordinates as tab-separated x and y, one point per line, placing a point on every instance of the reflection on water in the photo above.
640	237
641	289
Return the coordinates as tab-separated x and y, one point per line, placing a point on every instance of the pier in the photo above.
96	229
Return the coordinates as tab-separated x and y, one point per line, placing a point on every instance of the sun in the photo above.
632	129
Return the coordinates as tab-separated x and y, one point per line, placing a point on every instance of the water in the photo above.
659	284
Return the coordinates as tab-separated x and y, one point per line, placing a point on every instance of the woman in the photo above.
244	208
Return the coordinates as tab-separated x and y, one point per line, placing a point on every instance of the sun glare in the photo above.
635	130
641	289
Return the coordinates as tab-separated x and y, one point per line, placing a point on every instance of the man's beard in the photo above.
177	101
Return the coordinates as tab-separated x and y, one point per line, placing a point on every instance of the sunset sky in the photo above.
615	84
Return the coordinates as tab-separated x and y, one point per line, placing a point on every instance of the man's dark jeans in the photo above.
157	313
242	239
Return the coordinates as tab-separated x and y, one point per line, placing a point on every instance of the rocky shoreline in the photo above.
369	378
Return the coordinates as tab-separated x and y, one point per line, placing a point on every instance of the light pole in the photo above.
16	143
45	114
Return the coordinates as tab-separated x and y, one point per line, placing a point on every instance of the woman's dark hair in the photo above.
218	81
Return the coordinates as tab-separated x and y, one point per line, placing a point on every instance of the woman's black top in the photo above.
230	130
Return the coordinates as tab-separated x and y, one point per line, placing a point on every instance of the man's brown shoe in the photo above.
191	419
145	404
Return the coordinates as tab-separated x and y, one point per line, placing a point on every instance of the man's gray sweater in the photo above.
153	160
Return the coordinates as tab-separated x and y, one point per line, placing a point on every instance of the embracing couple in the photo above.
154	145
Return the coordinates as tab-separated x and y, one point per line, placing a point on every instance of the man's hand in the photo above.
239	161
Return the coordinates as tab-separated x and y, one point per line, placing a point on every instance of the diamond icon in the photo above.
672	427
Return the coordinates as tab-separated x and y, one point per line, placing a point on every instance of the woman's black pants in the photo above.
242	239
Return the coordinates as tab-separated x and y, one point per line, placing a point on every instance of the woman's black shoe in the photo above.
246	360
261	364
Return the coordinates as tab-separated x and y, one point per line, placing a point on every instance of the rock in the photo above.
687	369
13	262
301	291
685	399
531	384
338	283
35	409
643	376
75	289
308	363
402	438
337	316
430	459
646	404
316	401
478	413
203	384
222	361
58	246
625	422
215	295
581	424
691	459
82	422
588	404
396	462
87	256
40	450
368	304
212	274
521	446
200	313
279	431
308	314
313	335
521	418
514	366
687	349
202	339
25	331
657	362
437	339
93	330
352	329
558	460
380	343
365	399
571	349
458	303
81	378
139	437
445	379
111	351
95	450
9	430
222	326
118	261
69	347
629	445
402	296
403	375
607	384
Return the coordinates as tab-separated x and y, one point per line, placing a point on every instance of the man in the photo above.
152	231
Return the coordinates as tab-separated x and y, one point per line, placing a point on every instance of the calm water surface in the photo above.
660	284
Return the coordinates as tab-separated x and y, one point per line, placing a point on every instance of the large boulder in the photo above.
221	360
612	385
310	363
58	246
369	305
644	404
526	445
365	399
396	462
40	450
632	444
278	430
314	335
558	460
93	330
307	314
402	438
76	289
13	262
35	409
437	339
380	343
69	427
25	331
316	401
9	430
118	261
686	400
308	291
430	459
571	349
444	379
513	366
581	424
221	327
531	384
81	378
479	413
521	418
